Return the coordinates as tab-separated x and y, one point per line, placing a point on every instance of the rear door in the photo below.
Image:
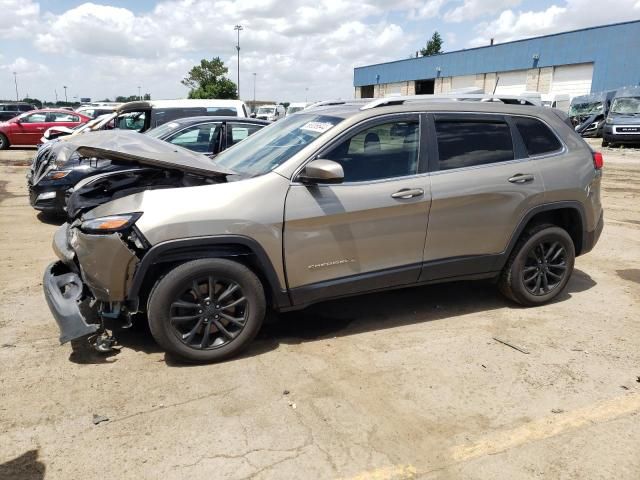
482	184
368	232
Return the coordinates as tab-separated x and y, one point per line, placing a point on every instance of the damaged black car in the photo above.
58	166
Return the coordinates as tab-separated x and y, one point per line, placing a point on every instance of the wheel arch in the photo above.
568	215
166	255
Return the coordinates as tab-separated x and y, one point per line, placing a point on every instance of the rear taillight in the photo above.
598	161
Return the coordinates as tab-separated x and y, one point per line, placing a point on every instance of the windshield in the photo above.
626	105
162	130
266	110
585	108
275	144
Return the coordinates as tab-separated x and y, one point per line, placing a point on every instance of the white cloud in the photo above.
25	67
17	17
574	14
472	9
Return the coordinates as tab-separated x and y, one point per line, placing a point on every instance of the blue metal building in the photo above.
577	62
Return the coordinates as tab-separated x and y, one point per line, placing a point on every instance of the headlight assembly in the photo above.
57	174
110	224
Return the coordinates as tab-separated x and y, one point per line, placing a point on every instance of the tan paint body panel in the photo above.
334	231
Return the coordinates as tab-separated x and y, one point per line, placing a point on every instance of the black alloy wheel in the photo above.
545	267
209	313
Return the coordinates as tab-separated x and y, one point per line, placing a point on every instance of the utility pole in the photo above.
55	91
139	97
238	28
65	94
15	80
254	91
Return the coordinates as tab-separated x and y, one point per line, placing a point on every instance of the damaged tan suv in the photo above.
337	200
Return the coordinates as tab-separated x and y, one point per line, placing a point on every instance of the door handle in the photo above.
521	178
408	193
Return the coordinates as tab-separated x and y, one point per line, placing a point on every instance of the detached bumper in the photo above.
63	291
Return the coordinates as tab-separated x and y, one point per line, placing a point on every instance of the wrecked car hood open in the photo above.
132	147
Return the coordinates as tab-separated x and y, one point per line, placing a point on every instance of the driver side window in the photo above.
382	151
199	138
34	118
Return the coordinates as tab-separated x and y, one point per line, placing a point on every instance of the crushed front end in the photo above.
88	284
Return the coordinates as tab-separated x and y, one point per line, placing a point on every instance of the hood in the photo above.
132	147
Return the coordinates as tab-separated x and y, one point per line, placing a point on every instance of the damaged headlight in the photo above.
110	224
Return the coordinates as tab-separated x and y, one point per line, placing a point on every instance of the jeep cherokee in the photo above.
336	200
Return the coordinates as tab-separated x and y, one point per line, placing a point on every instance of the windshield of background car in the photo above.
268	111
585	108
291	110
275	144
626	105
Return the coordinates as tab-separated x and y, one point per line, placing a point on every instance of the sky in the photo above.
299	49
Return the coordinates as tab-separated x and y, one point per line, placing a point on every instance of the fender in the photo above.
548	207
210	247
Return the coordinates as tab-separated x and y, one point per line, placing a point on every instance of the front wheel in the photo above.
539	267
206	310
4	142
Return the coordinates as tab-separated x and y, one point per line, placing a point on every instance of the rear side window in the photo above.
463	143
537	137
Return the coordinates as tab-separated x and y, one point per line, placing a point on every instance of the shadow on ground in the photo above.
358	314
25	467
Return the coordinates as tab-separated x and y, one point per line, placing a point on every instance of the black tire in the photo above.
176	309
531	265
605	143
4	142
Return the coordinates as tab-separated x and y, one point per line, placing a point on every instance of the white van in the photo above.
270	112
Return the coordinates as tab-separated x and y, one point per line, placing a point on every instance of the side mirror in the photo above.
322	171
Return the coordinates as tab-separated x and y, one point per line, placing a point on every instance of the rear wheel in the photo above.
605	143
539	267
206	310
4	142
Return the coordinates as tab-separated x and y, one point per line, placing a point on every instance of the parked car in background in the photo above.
57	167
10	110
271	112
334	201
57	132
27	128
297	107
588	112
96	111
622	125
561	101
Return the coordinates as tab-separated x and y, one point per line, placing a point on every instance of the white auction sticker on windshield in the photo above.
318	127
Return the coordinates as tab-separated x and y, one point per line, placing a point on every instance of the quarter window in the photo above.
537	137
384	151
469	143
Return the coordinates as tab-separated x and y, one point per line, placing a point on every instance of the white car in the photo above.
297	107
271	112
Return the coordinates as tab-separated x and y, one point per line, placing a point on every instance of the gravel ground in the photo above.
399	385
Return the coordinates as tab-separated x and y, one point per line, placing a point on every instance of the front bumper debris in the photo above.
71	309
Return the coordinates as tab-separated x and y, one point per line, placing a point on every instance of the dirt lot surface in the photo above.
405	384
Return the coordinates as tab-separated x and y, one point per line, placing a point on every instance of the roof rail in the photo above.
325	103
478	97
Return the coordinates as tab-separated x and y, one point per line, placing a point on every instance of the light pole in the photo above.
254	91
238	28
139	97
65	94
15	80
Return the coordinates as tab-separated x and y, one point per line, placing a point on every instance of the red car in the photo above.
27	128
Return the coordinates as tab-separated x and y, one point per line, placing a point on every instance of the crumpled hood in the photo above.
133	147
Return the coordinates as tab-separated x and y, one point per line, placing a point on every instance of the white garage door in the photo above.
463	81
572	79
512	83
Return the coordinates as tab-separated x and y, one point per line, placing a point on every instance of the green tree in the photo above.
33	101
434	46
208	80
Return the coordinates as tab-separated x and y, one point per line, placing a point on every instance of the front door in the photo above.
368	232
482	184
30	129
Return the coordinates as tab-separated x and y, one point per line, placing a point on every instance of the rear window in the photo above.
537	137
467	143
